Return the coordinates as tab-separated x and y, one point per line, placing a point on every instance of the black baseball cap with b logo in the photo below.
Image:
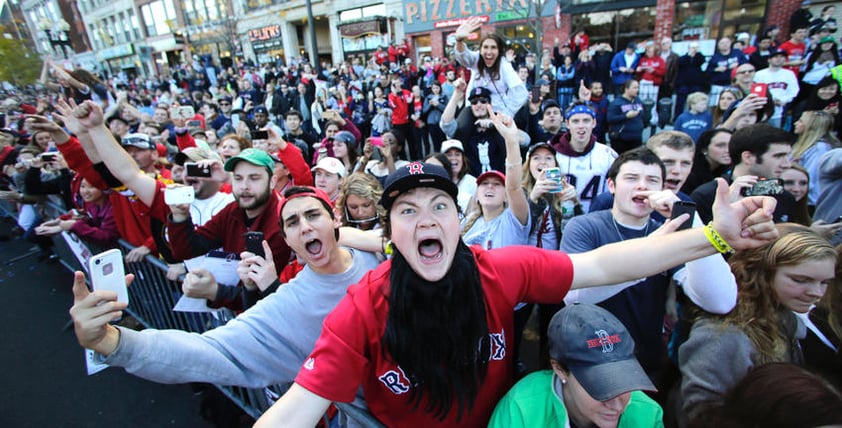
598	350
413	175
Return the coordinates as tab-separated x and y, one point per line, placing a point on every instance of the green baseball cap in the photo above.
254	157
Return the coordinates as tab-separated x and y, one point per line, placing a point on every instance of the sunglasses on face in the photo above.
476	101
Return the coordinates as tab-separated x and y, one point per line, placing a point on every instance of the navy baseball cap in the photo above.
413	175
774	52
345	137
478	92
260	109
598	350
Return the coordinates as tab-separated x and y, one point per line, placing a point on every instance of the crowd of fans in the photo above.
431	164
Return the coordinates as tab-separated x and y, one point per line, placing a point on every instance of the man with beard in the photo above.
256	209
582	160
426	333
209	200
266	344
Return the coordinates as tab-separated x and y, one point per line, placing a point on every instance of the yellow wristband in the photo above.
386	246
716	240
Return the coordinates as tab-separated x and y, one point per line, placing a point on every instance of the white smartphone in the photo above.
179	195
108	273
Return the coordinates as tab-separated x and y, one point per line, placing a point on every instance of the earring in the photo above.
705	153
564	381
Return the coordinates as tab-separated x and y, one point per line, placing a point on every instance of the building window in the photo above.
363	12
198	12
157	16
617	27
712	19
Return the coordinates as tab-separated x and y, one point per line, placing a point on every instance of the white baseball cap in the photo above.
452	144
331	165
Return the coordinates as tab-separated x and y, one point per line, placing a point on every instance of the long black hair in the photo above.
438	334
493	71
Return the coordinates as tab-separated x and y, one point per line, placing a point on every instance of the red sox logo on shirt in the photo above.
397	382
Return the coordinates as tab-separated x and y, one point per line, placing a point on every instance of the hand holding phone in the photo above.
683	207
107	273
181	195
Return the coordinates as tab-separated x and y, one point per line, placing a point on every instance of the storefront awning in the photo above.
361	28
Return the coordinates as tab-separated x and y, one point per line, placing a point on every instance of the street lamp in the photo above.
58	34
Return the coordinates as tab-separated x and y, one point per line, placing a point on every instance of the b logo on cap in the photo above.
603	339
415	168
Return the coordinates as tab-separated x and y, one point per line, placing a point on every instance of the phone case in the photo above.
179	195
254	243
108	273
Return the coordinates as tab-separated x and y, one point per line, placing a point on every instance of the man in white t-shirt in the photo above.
782	84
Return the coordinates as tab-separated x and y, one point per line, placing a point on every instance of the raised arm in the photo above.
514	172
744	224
448	117
116	159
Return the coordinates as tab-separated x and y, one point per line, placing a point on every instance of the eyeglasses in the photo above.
225	104
746	71
476	101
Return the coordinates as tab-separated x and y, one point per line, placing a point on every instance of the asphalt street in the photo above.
44	381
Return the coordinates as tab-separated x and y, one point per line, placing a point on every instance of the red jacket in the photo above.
656	76
400	106
132	216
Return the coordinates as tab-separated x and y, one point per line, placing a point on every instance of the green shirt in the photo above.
532	403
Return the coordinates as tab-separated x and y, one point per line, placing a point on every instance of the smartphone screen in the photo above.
759	89
684	207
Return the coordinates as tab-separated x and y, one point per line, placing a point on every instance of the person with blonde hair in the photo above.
815	138
776	281
823	344
357	205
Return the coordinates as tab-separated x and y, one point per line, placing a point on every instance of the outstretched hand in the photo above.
469	26
64	112
503	123
746	223
91	313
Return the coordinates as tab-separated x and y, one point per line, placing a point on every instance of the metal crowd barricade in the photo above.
152	297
